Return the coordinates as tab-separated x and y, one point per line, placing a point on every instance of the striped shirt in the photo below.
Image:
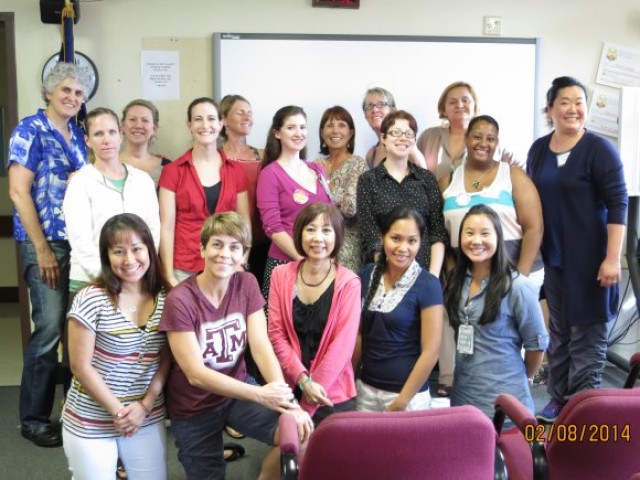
498	195
126	356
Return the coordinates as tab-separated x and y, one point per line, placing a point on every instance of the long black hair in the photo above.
500	278
385	222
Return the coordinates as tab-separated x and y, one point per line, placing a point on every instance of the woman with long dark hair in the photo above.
115	406
286	184
401	325
495	313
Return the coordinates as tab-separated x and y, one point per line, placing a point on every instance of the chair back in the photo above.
596	436
450	443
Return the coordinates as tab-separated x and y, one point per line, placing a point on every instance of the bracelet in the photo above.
304	382
530	380
147	412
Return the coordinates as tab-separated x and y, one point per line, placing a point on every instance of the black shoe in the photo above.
43	436
233	451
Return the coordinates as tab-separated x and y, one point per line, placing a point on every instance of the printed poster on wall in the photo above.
160	75
619	66
604	111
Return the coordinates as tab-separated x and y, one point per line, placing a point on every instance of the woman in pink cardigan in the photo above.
314	315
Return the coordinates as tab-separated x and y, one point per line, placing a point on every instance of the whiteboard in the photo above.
320	71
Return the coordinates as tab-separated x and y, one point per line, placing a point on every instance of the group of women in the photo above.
181	321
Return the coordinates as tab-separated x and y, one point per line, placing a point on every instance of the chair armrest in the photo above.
288	431
634	370
289	447
509	405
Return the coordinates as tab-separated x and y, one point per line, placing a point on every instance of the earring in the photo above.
324	145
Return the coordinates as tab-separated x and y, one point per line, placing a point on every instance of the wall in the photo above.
112	33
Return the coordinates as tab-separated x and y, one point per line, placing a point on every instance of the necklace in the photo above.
477	182
128	309
314	284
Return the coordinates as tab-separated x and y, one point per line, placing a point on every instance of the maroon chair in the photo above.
594	437
634	370
450	443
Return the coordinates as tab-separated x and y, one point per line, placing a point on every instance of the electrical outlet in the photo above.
492	26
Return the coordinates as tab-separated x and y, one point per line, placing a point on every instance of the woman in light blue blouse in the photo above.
495	313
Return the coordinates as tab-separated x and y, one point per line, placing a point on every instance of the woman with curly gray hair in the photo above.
44	150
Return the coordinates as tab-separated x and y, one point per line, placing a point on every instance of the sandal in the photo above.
443	390
121	473
233	433
233	451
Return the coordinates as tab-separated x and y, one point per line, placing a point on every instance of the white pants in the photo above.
372	399
537	278
144	455
182	275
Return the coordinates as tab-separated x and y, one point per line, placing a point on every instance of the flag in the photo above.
67	50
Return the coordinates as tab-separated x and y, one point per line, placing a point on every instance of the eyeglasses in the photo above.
370	106
397	133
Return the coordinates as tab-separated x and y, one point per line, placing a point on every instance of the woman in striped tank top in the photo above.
115	407
480	179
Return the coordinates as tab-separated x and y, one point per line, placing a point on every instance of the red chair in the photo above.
451	443
594	437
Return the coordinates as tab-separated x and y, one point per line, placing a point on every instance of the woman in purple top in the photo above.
286	184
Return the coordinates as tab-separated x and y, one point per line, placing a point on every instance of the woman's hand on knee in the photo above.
303	422
276	396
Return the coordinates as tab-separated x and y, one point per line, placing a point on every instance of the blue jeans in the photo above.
199	438
48	311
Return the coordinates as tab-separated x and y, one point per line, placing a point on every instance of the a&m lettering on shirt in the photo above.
222	342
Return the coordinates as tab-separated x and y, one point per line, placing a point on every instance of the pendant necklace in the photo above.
314	284
476	183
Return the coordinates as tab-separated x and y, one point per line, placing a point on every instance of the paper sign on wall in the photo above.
619	66
160	75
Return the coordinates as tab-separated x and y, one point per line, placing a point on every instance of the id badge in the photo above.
465	339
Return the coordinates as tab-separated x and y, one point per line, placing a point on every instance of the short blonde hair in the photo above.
141	102
228	223
443	97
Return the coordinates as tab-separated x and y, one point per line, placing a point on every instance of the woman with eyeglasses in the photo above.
397	182
378	103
